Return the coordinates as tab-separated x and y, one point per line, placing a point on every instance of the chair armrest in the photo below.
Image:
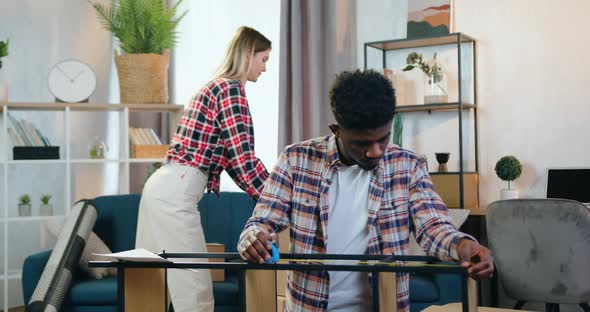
32	270
449	286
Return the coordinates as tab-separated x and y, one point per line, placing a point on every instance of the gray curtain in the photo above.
318	40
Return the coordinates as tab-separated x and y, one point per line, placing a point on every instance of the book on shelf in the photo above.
24	133
155	138
143	136
16	139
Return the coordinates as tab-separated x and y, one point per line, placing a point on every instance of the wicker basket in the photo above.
143	78
149	151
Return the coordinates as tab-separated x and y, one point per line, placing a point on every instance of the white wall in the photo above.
532	81
532	87
204	35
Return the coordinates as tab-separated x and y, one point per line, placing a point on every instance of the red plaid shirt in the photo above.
216	133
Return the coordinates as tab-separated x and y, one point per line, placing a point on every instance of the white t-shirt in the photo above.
348	233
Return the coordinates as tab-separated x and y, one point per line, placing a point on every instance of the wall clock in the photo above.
71	81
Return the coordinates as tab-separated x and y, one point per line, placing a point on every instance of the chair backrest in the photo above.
541	249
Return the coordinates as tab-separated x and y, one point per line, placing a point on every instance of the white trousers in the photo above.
169	220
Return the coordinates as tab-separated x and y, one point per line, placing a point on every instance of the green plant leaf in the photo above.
408	67
4	48
45	199
141	26
24	199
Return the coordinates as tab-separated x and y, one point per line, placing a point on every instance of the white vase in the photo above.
435	89
508	194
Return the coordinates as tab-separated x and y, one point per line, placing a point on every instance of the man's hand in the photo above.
477	258
256	246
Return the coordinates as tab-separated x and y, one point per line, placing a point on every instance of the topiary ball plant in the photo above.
508	168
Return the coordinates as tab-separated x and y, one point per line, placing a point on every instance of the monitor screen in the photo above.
569	184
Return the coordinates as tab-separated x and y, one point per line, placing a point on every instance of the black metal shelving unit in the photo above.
456	39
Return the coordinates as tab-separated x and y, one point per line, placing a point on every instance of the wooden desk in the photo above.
477	211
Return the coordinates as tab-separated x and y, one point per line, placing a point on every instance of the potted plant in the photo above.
97	148
145	30
508	168
24	205
3	84
46	209
434	91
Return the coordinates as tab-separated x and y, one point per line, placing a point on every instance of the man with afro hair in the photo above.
354	193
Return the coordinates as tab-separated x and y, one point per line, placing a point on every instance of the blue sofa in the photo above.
223	219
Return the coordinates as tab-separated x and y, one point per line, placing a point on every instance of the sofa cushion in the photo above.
423	288
117	220
223	218
104	292
94	292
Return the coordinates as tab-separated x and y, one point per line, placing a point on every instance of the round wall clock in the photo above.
71	81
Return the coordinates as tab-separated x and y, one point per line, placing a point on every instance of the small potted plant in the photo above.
508	168
97	149
434	91
46	209
24	205
3	84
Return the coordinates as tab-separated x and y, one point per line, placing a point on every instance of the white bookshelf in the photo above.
64	174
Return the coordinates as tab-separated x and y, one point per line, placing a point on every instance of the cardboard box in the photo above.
217	275
149	151
284	247
281	301
282	282
447	186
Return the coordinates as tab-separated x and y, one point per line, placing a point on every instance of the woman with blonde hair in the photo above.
214	134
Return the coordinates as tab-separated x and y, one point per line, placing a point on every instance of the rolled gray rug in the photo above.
57	275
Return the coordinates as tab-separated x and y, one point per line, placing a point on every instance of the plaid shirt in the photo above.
215	133
400	193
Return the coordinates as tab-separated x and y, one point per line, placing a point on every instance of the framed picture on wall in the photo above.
428	18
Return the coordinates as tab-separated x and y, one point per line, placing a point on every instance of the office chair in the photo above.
542	250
